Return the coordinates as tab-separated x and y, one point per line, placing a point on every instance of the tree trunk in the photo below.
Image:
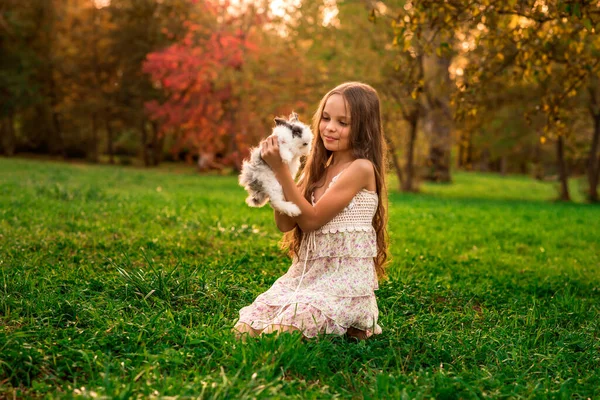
58	131
470	152
56	126
465	151
94	138
3	135
94	44
461	153
12	134
523	167
438	161
538	166
438	118
233	149
562	170
484	161
157	144
594	163
110	149
8	140
145	153
598	170
503	166
408	184
395	161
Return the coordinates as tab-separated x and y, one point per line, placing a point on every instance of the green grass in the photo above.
125	283
494	186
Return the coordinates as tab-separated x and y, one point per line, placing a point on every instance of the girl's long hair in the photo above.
367	141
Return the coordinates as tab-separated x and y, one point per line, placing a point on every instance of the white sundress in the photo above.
330	284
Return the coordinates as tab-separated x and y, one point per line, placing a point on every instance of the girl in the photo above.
339	242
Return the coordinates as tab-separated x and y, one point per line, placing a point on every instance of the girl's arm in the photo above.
284	222
357	176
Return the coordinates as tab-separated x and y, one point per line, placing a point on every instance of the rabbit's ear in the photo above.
280	121
293	117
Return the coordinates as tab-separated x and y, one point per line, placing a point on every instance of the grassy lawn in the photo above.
122	282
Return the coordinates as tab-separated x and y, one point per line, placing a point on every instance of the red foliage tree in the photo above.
199	76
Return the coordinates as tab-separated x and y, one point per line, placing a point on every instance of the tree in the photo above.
402	89
18	89
226	79
143	26
593	168
539	40
92	80
425	31
544	42
198	75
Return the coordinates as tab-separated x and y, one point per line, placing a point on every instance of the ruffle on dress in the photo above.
359	244
312	313
341	277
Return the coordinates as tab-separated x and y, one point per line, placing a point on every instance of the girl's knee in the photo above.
279	329
242	328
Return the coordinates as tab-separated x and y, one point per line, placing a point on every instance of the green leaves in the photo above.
574	9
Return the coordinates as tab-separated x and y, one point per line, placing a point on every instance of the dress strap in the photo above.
335	178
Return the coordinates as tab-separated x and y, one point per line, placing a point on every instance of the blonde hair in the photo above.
366	141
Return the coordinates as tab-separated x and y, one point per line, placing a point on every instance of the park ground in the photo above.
122	282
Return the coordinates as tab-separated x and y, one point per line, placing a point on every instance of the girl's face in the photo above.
334	126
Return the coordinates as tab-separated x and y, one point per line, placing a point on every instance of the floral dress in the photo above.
331	282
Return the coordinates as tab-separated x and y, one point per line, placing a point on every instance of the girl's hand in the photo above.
269	151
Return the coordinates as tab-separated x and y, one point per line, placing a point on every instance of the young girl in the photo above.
338	243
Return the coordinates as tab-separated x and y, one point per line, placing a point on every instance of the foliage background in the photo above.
121	282
510	87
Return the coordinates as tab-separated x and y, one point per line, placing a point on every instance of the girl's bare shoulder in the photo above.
362	165
362	171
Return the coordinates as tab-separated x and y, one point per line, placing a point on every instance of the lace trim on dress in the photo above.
356	216
336	229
